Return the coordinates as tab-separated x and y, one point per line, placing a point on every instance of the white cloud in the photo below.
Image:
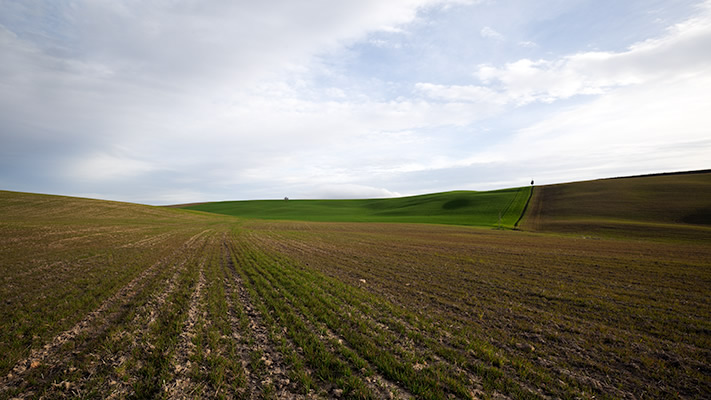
350	191
196	88
237	41
238	100
658	127
463	93
100	167
528	44
646	112
663	114
489	33
683	50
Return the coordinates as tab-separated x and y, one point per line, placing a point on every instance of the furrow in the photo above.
182	386
406	351
358	332
265	366
153	333
108	371
151	240
433	342
94	324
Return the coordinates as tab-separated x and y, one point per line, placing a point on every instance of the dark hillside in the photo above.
672	205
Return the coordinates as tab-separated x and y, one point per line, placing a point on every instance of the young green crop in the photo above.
453	208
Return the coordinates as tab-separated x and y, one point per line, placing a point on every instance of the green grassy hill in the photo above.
666	205
456	208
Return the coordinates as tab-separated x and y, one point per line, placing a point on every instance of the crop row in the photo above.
565	317
77	360
349	335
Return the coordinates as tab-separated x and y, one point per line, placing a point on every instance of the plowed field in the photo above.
112	300
662	207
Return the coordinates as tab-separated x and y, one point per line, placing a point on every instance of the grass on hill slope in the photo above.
670	206
454	208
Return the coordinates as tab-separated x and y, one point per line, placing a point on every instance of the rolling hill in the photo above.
673	206
454	208
666	205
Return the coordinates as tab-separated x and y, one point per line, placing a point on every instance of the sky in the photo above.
177	101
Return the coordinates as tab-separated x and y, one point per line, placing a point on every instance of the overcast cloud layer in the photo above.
181	101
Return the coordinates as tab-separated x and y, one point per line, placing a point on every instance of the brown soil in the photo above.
70	345
276	368
182	386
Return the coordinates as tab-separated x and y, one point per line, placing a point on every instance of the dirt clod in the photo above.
525	347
